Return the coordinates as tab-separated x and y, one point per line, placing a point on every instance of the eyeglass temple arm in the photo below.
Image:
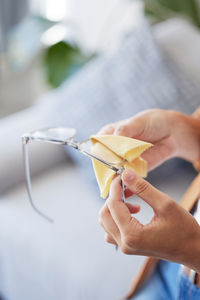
25	141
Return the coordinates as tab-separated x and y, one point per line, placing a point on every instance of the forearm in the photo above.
192	255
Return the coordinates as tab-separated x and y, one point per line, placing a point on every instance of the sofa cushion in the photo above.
137	76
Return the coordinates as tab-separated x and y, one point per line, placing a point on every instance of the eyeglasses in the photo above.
63	136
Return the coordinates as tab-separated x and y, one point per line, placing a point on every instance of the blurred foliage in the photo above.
160	10
61	60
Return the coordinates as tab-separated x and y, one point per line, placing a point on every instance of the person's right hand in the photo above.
172	133
172	234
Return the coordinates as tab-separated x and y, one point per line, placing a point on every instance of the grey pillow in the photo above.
136	77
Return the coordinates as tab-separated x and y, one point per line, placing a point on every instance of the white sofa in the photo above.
69	259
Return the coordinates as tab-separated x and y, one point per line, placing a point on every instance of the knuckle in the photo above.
128	241
141	186
127	245
103	212
107	129
121	129
132	243
168	204
108	239
125	250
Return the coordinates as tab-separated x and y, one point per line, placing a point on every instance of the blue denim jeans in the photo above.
186	289
169	282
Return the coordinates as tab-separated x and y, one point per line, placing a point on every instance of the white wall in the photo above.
97	24
102	21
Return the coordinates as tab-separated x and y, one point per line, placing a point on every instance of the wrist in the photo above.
195	132
186	132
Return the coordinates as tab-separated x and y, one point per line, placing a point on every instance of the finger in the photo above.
108	236
107	223
149	125
133	127
161	152
109	239
144	190
118	210
108	129
123	128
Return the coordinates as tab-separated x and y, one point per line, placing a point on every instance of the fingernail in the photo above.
128	175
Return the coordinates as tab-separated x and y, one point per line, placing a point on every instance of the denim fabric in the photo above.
186	289
162	285
169	282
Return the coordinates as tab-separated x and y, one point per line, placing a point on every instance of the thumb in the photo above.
132	127
144	190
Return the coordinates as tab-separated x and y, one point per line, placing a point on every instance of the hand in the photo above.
173	234
172	133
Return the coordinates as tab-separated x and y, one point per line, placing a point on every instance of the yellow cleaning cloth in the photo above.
119	150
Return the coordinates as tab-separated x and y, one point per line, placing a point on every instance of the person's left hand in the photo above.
173	234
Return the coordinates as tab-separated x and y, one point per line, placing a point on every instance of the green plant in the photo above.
61	60
160	10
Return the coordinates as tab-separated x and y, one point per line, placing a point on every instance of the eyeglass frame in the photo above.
26	138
